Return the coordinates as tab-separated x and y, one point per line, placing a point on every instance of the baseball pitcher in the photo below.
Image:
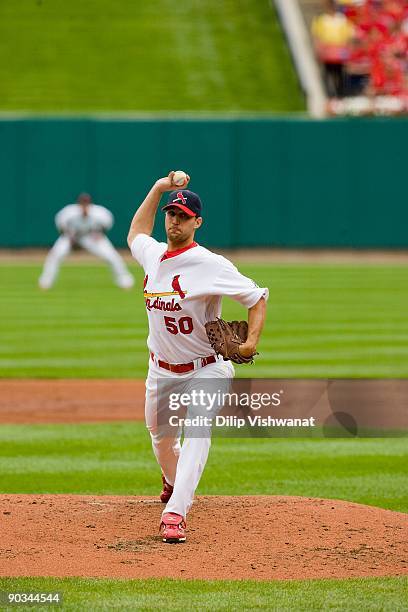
183	288
84	225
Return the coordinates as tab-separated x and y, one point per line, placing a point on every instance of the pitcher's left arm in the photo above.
256	320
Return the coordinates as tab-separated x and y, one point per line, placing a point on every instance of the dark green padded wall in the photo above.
267	182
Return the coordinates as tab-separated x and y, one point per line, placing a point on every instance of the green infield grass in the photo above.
372	594
335	321
97	55
116	459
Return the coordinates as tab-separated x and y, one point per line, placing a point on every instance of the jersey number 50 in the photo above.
183	325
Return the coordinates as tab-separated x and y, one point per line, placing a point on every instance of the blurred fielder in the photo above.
84	225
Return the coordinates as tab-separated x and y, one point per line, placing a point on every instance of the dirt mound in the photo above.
254	537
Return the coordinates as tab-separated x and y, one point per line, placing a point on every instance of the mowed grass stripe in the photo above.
101	55
116	458
373	594
323	321
279	349
312	371
314	355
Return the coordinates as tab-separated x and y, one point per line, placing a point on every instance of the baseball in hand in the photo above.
179	178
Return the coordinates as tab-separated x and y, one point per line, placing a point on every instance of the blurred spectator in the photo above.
332	33
372	42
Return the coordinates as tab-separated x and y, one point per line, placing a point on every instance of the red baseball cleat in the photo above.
167	491
172	528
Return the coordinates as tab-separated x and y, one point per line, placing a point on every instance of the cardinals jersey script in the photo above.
182	291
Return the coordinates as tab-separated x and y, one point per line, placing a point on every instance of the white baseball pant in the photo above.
99	245
182	465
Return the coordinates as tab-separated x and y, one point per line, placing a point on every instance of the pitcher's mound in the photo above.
254	537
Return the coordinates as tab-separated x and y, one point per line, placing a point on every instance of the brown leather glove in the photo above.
225	338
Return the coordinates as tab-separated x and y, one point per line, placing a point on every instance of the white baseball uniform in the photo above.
183	290
86	231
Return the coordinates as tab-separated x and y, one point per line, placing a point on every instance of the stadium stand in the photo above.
363	49
333	33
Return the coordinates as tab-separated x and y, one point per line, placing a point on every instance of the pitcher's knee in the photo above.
159	438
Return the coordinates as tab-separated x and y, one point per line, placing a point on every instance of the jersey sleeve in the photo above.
62	217
230	282
104	218
145	248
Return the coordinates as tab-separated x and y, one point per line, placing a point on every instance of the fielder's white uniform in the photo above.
183	291
86	231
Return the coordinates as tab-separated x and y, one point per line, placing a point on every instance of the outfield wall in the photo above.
266	182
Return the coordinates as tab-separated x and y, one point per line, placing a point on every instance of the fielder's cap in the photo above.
186	200
84	197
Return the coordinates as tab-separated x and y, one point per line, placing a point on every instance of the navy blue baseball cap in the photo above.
186	200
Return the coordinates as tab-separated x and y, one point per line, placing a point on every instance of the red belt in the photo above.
181	368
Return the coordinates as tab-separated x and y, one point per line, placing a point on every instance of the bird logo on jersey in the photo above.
154	300
175	284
